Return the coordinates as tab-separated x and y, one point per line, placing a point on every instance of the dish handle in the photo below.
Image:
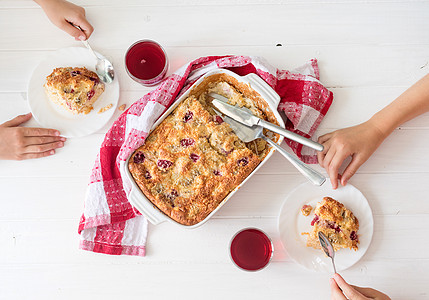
264	89
146	207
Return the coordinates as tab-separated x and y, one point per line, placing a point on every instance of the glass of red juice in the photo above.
146	62
251	249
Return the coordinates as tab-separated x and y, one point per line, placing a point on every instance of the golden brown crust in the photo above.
251	99
337	222
74	88
193	160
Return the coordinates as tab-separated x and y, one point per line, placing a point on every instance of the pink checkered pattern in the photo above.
109	223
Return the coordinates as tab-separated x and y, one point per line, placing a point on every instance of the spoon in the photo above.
104	68
248	134
327	247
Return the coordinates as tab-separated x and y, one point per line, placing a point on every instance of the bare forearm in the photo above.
410	104
66	16
42	2
360	141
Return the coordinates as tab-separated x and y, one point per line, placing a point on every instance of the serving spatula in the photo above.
248	134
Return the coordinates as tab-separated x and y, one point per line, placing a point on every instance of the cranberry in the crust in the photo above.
188	116
139	157
164	164
187	142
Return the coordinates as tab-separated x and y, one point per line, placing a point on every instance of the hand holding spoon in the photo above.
327	247
104	68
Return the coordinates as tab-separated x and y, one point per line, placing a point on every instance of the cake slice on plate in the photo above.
76	89
337	222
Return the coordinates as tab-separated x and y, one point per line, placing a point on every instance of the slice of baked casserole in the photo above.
337	222
76	89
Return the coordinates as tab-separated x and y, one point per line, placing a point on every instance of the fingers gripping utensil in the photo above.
327	247
248	119
248	134
103	67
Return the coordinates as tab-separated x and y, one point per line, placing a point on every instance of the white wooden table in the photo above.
368	51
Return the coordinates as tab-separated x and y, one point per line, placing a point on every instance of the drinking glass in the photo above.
146	62
251	249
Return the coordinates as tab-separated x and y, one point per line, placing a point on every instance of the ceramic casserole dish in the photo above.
253	84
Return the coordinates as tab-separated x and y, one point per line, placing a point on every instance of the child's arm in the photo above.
362	140
64	15
340	289
18	143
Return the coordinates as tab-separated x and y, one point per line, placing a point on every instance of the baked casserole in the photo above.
192	160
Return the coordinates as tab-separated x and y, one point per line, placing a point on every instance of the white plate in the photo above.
292	223
51	115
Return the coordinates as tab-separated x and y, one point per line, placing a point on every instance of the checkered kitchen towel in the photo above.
109	223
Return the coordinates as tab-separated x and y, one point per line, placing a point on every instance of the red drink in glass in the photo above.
251	249
146	62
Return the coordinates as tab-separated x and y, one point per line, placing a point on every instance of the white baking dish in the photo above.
144	205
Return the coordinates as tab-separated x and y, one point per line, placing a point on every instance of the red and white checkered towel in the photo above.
109	223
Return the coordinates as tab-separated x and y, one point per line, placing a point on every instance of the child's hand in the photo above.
340	289
359	142
64	15
18	143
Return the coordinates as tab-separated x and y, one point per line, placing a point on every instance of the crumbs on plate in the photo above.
103	109
306	209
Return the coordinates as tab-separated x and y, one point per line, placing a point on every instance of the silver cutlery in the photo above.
248	119
103	67
327	247
248	134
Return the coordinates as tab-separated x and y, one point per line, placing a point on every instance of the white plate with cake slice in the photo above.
52	115
292	223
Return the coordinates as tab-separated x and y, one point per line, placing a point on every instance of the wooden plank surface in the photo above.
369	52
